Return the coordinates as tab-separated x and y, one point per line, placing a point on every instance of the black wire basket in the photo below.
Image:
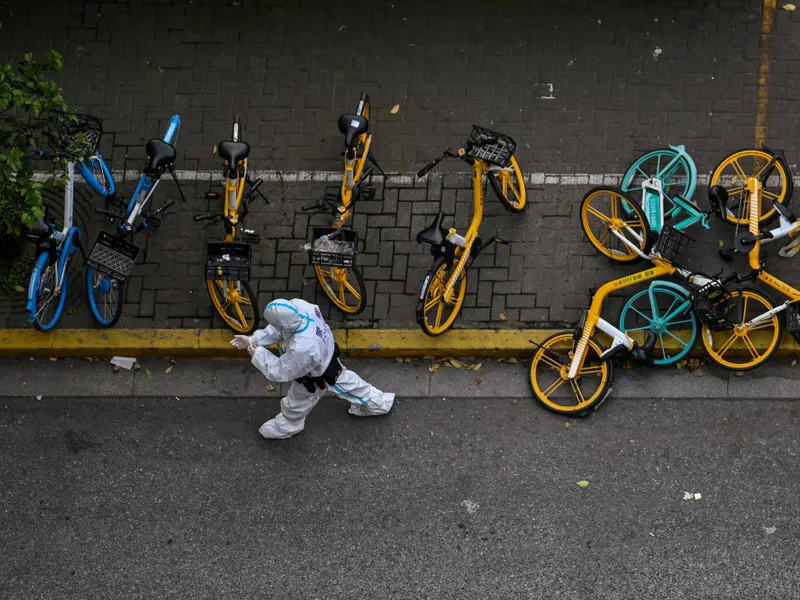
498	153
793	320
672	245
339	249
227	261
83	138
711	305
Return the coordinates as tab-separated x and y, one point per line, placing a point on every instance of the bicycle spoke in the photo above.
593	211
553	364
553	387
669	333
727	345
439	313
649	320
744	311
645	328
750	346
597	370
601	240
739	171
770	195
735	190
613	207
239	312
576	388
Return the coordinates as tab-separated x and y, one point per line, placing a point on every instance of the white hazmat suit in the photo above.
307	346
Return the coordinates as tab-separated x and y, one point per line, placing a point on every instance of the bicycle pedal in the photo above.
251	237
367	192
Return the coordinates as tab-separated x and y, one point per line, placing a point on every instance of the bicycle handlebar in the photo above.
427	168
204	217
108	213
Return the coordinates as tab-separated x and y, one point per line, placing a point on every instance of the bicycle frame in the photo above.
353	169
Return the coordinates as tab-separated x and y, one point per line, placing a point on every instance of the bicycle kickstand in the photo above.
374	161
177	183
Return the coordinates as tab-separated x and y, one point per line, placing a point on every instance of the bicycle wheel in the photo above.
509	187
606	210
105	295
47	303
732	173
344	287
746	349
549	370
667	312
236	303
677	181
434	315
103	183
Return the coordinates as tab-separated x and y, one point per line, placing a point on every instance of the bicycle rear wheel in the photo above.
47	303
105	296
549	374
677	181
732	173
344	287
667	312
236	303
606	212
742	350
434	314
509	186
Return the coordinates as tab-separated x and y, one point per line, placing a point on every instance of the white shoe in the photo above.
362	410
280	428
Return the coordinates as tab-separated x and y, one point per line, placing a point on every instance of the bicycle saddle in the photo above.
233	152
718	196
159	155
435	235
352	126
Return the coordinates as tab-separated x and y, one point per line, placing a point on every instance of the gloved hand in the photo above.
242	341
251	349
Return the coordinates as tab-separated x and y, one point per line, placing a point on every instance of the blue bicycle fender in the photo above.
174	124
89	178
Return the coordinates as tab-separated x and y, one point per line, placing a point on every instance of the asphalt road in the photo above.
476	498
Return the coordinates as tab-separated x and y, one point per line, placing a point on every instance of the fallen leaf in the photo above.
698	496
270	387
137	366
434	368
168	370
115	368
398	360
479	378
214	150
599	21
475	366
395	109
693	364
428	357
172	361
503	317
571	62
53	359
789	7
794	362
721	243
583	483
342	27
510	360
739	374
698	372
19	289
457	364
680	364
567	425
515	401
38	397
149	373
407	360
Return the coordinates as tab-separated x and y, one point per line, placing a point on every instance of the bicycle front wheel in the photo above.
236	303
746	348
732	173
551	384
435	315
344	287
106	297
48	302
667	312
509	186
607	213
675	180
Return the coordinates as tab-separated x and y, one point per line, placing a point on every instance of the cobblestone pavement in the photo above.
584	88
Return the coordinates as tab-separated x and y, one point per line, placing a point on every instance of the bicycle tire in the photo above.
687	190
99	295
772	346
339	300
521	194
543	356
243	328
41	268
784	198
615	254
431	279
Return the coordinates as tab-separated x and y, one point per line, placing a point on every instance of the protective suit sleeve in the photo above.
288	367
267	336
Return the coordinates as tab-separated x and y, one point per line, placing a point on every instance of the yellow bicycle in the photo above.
333	250
491	156
228	262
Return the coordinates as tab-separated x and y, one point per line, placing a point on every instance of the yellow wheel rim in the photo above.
232	302
747	348
439	314
606	210
732	174
342	287
553	387
513	185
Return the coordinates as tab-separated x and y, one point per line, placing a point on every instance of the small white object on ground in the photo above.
125	362
770	530
472	507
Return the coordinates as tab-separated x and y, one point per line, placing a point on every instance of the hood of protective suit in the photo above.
287	318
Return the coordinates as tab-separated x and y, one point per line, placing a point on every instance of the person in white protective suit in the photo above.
310	360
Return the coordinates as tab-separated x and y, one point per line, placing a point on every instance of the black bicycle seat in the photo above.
718	196
435	235
159	155
233	152
785	212
352	126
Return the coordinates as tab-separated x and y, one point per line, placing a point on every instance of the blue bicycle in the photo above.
113	255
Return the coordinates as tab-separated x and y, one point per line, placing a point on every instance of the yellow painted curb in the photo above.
365	343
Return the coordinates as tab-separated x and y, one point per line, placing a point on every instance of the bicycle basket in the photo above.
332	247
83	137
710	304
793	320
672	245
113	256
497	153
226	261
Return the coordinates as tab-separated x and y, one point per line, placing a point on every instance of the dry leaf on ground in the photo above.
149	373
567	425
479	378
270	388
53	359
475	366
698	372
794	362
739	374
571	62
434	368
115	368
19	289
395	109
510	360
789	7
515	401
168	370
503	317
137	366
398	360
457	364
583	483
